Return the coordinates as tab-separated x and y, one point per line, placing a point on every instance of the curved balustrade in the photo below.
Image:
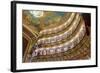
60	37
59	28
63	47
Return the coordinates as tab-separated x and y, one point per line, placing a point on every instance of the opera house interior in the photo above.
55	36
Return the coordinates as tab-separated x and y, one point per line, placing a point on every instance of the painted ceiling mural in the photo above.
55	36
